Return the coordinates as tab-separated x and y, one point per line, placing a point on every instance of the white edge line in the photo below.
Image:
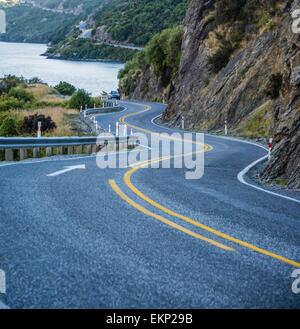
242	174
155	124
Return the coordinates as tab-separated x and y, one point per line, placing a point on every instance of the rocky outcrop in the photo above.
240	92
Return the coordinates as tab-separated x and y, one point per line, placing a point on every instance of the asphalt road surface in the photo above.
146	238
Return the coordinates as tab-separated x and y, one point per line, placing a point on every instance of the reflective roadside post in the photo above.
117	129
2	21
270	147
39	132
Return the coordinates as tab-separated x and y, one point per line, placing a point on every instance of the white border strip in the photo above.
242	174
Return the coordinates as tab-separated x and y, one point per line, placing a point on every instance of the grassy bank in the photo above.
23	103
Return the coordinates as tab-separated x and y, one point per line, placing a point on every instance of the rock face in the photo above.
239	90
238	93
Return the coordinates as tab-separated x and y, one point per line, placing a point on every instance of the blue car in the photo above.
114	95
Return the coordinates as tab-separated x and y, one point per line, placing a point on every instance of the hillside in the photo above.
32	24
239	61
118	22
45	20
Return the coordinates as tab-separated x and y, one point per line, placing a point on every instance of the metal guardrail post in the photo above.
9	155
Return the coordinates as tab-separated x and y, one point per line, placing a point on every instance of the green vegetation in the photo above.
26	23
259	124
80	98
87	5
137	22
8	127
65	88
162	54
89	49
22	105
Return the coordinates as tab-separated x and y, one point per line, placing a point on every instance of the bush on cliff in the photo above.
162	53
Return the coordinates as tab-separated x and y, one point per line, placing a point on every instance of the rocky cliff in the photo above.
245	71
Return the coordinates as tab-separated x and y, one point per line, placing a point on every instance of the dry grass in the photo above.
61	116
45	93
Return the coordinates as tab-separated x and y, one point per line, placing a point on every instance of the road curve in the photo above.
146	238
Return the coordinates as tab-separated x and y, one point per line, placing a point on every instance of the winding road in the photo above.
146	238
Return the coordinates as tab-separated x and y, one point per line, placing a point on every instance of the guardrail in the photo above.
86	116
68	145
63	145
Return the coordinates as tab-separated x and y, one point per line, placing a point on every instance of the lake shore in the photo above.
24	59
88	60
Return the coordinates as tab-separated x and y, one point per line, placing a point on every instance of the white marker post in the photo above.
39	132
80	109
2	282
131	132
117	129
125	130
182	122
270	147
109	128
226	128
86	106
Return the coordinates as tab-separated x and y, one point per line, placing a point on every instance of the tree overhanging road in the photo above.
135	238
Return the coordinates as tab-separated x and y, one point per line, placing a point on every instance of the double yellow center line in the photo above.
128	182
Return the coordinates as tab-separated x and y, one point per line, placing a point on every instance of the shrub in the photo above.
80	98
274	86
34	80
8	128
30	124
163	53
8	82
97	102
221	58
65	88
21	95
8	103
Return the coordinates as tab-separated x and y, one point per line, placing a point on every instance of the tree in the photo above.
80	98
65	88
8	128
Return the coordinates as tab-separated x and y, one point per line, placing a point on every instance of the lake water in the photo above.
23	59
